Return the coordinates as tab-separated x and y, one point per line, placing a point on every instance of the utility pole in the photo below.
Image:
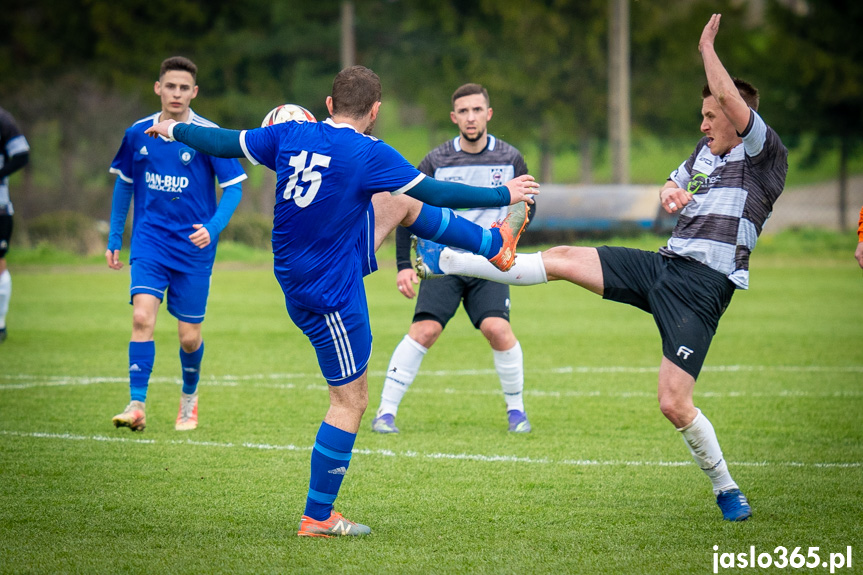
349	41
618	90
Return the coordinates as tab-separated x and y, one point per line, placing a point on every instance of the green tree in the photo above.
543	63
817	79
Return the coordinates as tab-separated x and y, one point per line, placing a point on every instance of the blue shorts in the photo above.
187	297
342	339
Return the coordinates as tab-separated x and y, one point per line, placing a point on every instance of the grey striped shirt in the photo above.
732	197
498	163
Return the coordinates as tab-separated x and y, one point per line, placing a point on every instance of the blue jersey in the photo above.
174	188
326	174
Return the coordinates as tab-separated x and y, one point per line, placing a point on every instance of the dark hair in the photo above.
747	91
179	63
469	90
355	91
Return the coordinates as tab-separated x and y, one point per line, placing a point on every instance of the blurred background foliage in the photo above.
77	73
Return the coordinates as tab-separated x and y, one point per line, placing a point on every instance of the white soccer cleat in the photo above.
187	416
132	417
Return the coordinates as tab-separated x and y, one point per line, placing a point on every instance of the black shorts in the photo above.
439	299
686	298
5	233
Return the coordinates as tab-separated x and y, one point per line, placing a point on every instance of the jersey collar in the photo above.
490	145
345	125
330	122
191	120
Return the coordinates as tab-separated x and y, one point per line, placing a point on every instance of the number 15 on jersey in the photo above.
305	173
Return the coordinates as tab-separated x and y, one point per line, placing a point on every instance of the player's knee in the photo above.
409	208
676	410
352	406
143	320
563	253
425	332
190	342
498	332
361	404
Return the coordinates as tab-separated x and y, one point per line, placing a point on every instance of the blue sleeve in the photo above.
119	210
454	195
122	165
262	144
213	141
231	197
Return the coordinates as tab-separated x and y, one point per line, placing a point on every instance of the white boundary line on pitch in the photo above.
415	454
28	381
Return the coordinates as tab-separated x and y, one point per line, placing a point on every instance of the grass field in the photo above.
602	485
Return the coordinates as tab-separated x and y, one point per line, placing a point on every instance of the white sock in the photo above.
5	296
403	368
528	269
700	438
510	368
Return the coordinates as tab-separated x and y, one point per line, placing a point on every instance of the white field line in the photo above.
284	381
414	454
25	381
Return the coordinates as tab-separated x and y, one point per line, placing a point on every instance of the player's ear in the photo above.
490	112
194	92
330	105
453	117
157	87
376	108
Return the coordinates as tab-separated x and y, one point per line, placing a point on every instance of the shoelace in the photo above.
186	407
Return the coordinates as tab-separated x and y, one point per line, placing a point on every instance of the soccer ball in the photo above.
287	113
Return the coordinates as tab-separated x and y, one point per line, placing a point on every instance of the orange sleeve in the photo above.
860	227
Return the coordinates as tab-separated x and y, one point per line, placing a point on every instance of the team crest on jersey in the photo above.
701	183
187	155
695	184
496	176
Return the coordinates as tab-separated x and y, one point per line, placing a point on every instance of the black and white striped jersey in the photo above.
498	163
732	197
12	143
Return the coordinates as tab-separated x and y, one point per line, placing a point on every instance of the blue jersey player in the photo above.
175	229
328	219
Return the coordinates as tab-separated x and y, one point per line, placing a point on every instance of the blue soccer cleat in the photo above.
734	505
385	423
518	422
428	259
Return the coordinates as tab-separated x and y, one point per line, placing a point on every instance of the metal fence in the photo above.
592	210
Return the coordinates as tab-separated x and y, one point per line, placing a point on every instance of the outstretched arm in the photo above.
721	85
455	195
213	141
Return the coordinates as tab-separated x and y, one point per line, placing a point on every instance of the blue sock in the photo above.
330	459
443	226
191	363
142	354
